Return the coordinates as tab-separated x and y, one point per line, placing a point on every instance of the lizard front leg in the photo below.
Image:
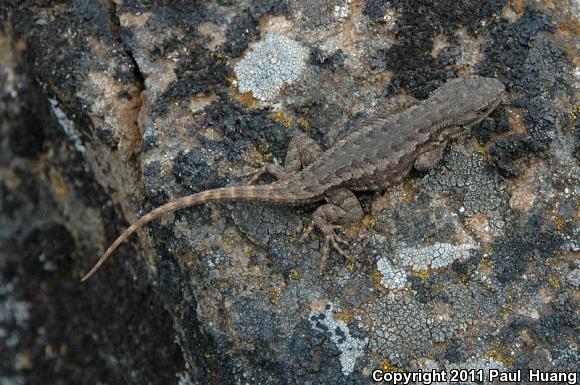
342	207
430	159
302	151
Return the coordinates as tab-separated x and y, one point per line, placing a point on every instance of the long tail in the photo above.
274	193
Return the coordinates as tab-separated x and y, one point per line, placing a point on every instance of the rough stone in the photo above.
109	109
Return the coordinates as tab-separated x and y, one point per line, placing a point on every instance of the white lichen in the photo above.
342	11
401	326
350	347
392	277
574	277
434	256
272	63
68	126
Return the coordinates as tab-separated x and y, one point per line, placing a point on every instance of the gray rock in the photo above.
108	110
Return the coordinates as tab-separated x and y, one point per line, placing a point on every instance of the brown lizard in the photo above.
379	152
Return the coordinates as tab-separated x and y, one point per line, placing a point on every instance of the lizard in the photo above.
377	153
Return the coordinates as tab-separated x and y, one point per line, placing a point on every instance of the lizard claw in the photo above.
365	239
254	175
331	238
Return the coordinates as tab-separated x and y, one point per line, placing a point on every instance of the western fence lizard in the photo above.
379	152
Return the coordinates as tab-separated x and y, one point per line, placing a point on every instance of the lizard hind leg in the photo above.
302	151
342	207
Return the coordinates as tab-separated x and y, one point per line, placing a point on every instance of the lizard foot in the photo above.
271	168
330	239
342	208
365	239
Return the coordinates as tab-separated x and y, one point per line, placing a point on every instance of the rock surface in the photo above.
111	108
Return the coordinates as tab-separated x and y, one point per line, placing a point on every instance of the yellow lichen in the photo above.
559	221
305	230
219	56
409	188
247	99
345	316
221	282
553	281
486	264
304	123
422	274
464	279
388	367
369	221
294	275
351	265
376	276
507	310
263	149
487	248
438	288
228	241
283	119
274	294
502	355
291	238
59	185
482	150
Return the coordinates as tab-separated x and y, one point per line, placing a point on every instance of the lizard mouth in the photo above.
492	106
483	113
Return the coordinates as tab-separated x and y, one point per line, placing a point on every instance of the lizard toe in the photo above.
254	175
332	239
271	168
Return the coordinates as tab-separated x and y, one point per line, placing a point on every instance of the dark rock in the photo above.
108	110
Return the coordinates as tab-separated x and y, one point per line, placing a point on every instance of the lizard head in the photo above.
469	100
